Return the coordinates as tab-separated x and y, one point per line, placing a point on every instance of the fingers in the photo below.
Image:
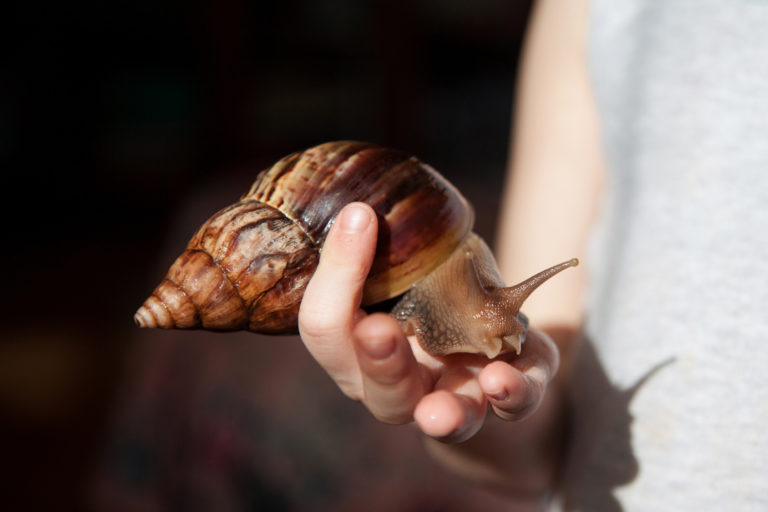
516	389
456	410
371	359
331	303
392	380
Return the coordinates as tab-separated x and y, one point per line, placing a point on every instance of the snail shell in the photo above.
248	265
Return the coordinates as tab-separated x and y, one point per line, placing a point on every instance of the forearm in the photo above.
556	170
550	198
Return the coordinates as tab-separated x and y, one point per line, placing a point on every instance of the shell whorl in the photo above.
244	269
248	265
423	218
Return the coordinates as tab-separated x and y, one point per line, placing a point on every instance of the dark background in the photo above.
123	126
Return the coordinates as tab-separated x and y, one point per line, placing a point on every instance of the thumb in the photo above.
332	299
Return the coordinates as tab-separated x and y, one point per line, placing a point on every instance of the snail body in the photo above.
248	265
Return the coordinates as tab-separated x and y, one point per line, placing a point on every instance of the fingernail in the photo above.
378	349
499	395
354	219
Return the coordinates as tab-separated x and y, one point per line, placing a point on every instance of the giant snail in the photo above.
248	265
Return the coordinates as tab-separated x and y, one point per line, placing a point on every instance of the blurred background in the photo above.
123	126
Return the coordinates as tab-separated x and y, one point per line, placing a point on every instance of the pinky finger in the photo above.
513	395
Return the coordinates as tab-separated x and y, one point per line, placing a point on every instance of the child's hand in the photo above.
371	360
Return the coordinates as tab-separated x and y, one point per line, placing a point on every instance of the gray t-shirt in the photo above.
672	410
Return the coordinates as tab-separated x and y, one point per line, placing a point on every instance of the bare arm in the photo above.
556	166
555	177
549	208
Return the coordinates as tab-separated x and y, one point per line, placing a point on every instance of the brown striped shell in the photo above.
248	265
259	253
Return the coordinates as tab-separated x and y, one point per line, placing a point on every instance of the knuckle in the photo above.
346	268
512	414
315	324
350	389
391	375
400	418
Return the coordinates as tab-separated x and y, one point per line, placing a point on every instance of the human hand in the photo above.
372	360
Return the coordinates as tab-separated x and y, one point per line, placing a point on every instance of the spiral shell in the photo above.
248	265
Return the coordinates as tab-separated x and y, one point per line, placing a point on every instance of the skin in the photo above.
373	361
556	178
